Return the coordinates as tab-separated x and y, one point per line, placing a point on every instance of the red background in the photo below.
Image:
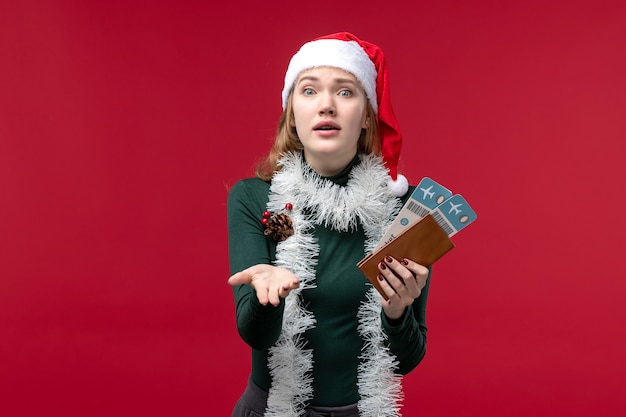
122	124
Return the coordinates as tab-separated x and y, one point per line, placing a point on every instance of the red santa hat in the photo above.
367	63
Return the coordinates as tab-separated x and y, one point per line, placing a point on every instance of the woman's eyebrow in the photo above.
344	81
307	78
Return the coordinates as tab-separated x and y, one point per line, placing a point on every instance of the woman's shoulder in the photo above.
249	188
254	182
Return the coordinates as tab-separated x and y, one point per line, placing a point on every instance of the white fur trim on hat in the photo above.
345	55
399	187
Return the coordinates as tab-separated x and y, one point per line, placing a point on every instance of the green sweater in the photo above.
340	290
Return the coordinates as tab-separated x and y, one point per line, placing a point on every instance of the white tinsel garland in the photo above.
365	200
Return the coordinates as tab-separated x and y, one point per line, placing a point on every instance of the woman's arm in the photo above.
258	325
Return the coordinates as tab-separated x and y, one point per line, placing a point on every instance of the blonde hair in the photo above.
287	140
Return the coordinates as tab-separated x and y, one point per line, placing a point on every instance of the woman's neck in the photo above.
329	167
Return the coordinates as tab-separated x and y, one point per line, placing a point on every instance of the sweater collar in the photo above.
342	177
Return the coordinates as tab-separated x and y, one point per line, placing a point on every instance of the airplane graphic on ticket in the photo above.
452	212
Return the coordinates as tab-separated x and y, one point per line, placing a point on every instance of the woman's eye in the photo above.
308	91
345	93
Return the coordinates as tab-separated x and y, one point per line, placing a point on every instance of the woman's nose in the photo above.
327	104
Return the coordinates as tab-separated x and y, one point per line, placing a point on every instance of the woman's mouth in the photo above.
326	126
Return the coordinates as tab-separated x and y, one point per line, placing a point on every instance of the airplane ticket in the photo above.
427	196
454	214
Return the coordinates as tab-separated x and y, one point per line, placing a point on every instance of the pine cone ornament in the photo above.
279	225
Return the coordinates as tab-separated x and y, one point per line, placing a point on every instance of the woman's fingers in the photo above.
263	295
419	272
386	287
405	277
243	277
277	290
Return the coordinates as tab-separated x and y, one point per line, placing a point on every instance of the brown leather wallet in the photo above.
423	242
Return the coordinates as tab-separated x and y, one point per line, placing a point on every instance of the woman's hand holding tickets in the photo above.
402	281
271	283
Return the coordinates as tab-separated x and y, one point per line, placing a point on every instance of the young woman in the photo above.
323	341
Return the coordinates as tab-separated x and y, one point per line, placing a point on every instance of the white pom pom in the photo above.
399	187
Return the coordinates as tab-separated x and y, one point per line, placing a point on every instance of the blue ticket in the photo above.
427	196
454	214
430	194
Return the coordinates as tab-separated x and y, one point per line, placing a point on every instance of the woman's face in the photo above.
329	108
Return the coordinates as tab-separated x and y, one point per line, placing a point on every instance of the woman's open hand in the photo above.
271	283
